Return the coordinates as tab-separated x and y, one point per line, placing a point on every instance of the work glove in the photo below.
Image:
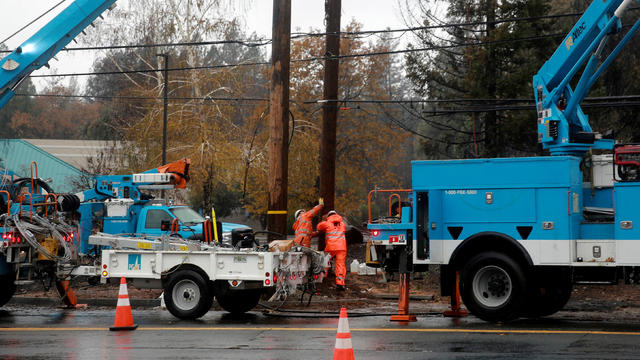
321	201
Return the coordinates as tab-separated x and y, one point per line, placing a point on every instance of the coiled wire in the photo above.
41	226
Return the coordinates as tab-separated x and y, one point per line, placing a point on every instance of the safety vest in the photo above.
303	226
334	229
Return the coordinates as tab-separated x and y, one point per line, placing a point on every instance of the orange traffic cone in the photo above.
124	319
343	349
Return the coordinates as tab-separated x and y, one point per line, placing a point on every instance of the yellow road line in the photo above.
220	328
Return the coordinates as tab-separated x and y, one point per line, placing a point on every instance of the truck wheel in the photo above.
187	295
236	301
493	287
8	287
549	294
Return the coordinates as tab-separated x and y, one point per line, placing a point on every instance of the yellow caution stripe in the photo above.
277	212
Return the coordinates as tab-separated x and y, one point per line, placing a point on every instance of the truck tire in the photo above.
236	302
187	294
493	287
549	294
8	287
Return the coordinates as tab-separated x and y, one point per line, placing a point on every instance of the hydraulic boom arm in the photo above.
170	176
46	43
563	128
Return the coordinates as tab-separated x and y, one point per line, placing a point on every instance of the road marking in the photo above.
220	328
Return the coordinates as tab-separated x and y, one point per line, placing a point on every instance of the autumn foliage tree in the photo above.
209	119
218	112
53	117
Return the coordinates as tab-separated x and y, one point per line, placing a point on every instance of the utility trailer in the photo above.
193	273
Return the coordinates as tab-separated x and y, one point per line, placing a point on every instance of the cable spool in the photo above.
68	202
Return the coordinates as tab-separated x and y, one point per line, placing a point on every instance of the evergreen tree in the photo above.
479	60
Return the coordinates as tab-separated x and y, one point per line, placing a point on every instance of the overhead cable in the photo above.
34	20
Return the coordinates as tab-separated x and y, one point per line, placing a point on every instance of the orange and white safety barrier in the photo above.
343	349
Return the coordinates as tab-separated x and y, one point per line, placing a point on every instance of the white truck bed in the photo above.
218	264
193	273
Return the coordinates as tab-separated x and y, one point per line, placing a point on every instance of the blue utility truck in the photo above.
118	205
518	232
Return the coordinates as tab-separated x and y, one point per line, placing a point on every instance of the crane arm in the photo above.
46	43
174	175
563	128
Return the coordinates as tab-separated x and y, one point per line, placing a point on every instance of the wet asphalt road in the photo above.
49	333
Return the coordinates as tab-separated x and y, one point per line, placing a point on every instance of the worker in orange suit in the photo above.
336	245
303	225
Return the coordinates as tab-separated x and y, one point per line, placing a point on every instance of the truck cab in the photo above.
189	221
125	216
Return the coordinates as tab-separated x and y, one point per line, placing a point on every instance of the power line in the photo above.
593	102
247	43
142	71
120	97
321	101
347	56
458	100
29	24
446	25
443	112
264	41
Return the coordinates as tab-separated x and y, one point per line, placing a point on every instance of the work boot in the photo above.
340	287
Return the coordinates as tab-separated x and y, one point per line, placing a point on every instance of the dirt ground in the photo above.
619	301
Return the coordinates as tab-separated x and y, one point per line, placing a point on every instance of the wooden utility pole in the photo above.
330	108
279	117
164	114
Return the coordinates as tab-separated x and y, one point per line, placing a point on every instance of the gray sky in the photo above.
306	14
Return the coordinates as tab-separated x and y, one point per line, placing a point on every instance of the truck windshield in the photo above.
187	216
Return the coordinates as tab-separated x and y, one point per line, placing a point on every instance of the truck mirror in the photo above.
165	225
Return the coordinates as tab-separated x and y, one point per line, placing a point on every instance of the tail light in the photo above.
275	278
375	233
315	277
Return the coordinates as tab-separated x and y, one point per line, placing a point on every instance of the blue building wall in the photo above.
16	155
